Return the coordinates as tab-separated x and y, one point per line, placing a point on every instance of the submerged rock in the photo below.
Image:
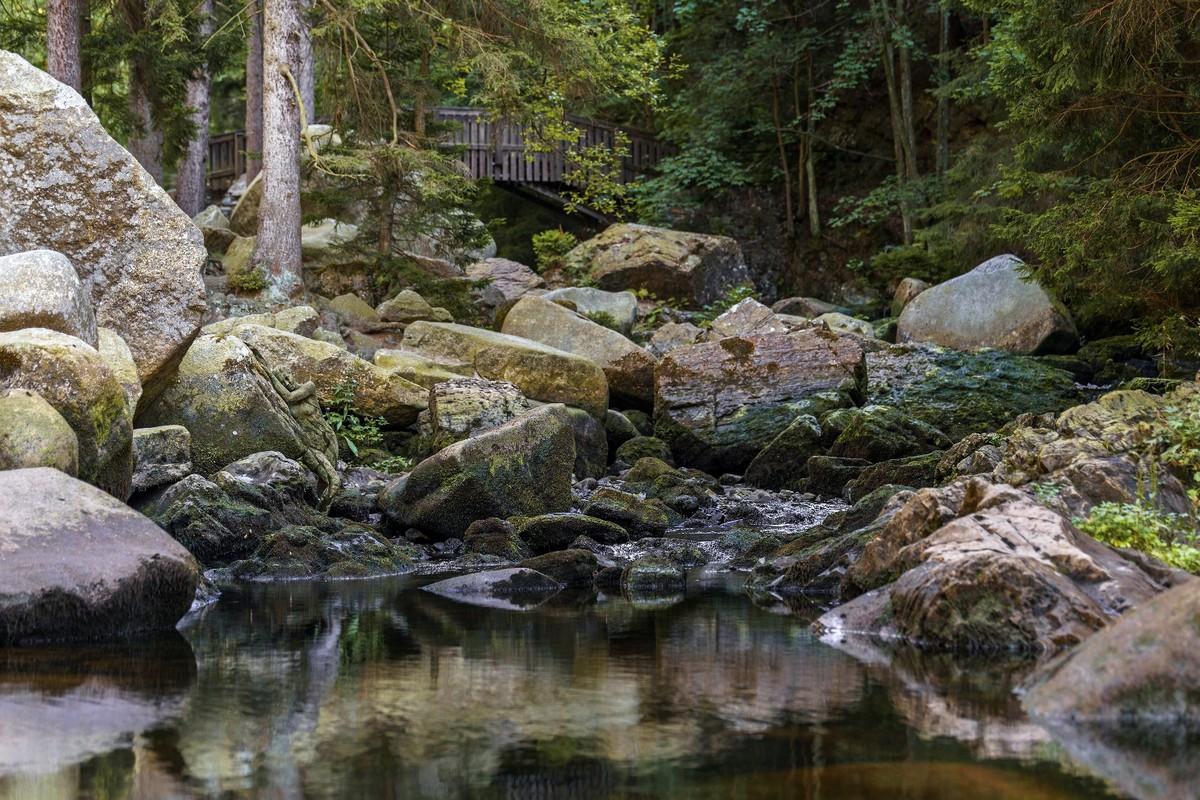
515	588
77	564
138	254
993	305
522	468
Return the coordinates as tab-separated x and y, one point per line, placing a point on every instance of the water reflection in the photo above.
374	689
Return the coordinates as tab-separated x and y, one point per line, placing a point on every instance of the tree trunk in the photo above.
254	91
145	140
810	166
783	164
419	109
277	251
190	182
895	113
906	94
64	40
306	76
943	103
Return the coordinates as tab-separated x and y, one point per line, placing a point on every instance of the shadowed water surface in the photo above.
376	689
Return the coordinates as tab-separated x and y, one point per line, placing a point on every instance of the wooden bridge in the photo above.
492	149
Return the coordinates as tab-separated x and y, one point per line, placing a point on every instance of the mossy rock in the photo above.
33	434
639	517
571	568
495	537
915	471
652	575
548	532
645	447
881	433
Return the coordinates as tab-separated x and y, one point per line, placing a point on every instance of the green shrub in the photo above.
248	282
1171	538
550	248
604	318
353	430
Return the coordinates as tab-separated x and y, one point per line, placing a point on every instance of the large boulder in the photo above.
463	407
33	434
40	289
67	186
377	392
976	567
408	306
1141	671
302	320
541	372
73	378
693	268
522	468
224	396
77	564
419	369
745	318
161	456
503	281
614	309
717	404
993	305
628	368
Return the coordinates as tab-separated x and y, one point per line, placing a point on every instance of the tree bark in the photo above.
810	165
880	16
906	95
943	103
190	188
306	75
254	91
145	140
783	164
277	251
64	42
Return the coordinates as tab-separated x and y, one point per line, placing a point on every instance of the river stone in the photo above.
906	290
640	447
463	407
628	368
243	220
975	567
495	537
39	289
161	455
573	568
505	280
641	517
549	532
419	369
77	564
1142	671
33	434
621	307
513	589
300	320
652	575
673	335
745	318
990	306
541	372
224	396
376	391
136	252
522	468
718	403
693	268
201	516
880	433
408	306
119	359
73	378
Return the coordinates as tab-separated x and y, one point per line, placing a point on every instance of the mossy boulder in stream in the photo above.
548	532
652	575
522	468
638	516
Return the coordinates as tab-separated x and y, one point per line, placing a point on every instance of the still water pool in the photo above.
376	689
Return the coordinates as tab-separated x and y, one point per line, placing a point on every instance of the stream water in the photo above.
375	689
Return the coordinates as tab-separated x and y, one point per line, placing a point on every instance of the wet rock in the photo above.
690	267
628	368
719	404
917	472
78	564
745	318
644	447
358	496
408	306
1140	672
214	527
495	537
74	379
639	517
34	434
618	429
782	464
571	568
652	575
299	551
39	289
617	309
550	532
514	588
140	256
540	372
880	433
377	392
161	455
672	336
462	407
522	468
506	280
993	305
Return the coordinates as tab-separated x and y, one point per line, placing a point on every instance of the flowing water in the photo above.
375	689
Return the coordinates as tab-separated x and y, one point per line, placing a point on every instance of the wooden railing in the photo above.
491	149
